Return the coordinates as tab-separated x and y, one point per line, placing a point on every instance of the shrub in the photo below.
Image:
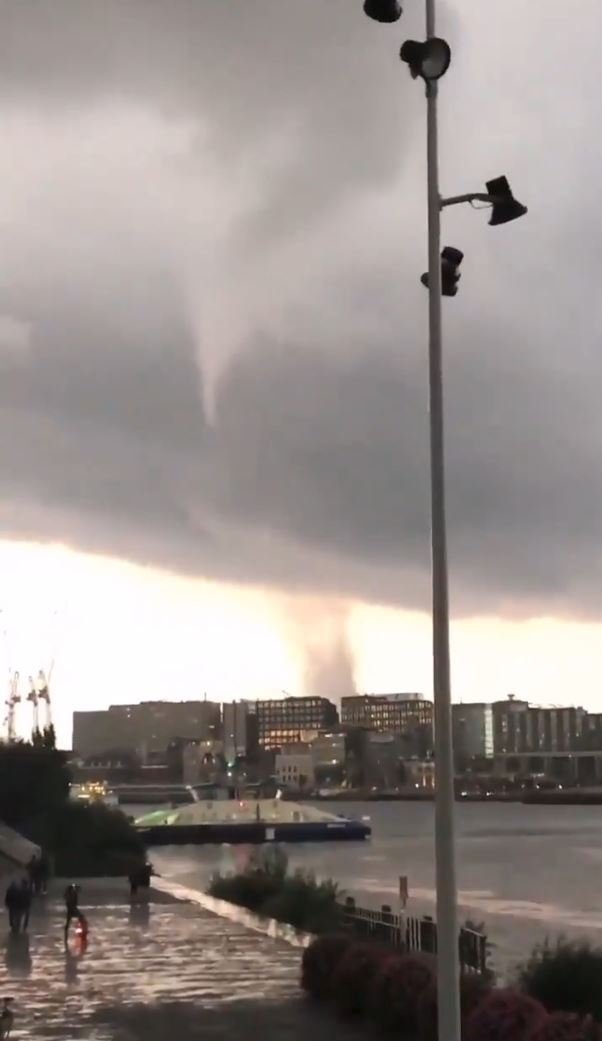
504	1015
565	977
268	860
473	990
396	989
319	963
566	1026
250	891
305	904
353	976
265	887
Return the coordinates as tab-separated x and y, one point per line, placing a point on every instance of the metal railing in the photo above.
408	933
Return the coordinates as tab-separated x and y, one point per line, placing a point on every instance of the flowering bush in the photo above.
353	977
504	1015
396	989
565	977
473	990
320	961
566	1026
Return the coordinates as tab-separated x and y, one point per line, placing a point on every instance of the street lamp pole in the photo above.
448	968
430	61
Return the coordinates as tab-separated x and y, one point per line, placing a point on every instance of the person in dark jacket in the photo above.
24	902
134	880
72	907
12	900
140	878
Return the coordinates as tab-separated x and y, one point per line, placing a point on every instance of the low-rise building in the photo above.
294	766
383	765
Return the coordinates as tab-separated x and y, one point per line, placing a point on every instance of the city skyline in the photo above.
102	654
212	338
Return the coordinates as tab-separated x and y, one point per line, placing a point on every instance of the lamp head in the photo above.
429	59
504	206
386	11
451	258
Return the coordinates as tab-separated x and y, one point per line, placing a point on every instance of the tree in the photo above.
34	781
90	840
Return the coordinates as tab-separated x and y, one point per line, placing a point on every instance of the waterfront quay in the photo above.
172	969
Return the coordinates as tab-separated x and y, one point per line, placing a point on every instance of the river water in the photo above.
525	871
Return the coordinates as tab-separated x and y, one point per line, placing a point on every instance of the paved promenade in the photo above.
183	974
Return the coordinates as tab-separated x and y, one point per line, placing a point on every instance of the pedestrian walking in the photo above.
140	878
72	907
12	901
24	902
134	880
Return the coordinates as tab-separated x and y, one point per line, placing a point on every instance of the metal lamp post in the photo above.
448	962
430	61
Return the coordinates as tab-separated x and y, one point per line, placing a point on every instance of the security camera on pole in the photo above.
429	60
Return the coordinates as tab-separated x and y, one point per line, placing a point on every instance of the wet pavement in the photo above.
172	970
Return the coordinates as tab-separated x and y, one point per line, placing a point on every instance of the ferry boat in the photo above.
251	821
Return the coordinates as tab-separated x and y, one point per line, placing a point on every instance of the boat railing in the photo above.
411	933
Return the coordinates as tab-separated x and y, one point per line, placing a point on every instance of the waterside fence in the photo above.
409	933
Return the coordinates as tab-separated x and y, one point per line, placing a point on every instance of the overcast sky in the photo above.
212	329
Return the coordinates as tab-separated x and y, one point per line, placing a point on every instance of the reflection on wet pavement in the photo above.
169	955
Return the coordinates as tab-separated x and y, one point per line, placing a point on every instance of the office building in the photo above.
289	721
239	728
472	724
523	729
146	729
591	737
389	713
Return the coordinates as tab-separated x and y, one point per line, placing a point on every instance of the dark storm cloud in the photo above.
258	73
283	221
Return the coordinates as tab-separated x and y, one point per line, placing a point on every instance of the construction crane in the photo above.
32	695
43	694
13	700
